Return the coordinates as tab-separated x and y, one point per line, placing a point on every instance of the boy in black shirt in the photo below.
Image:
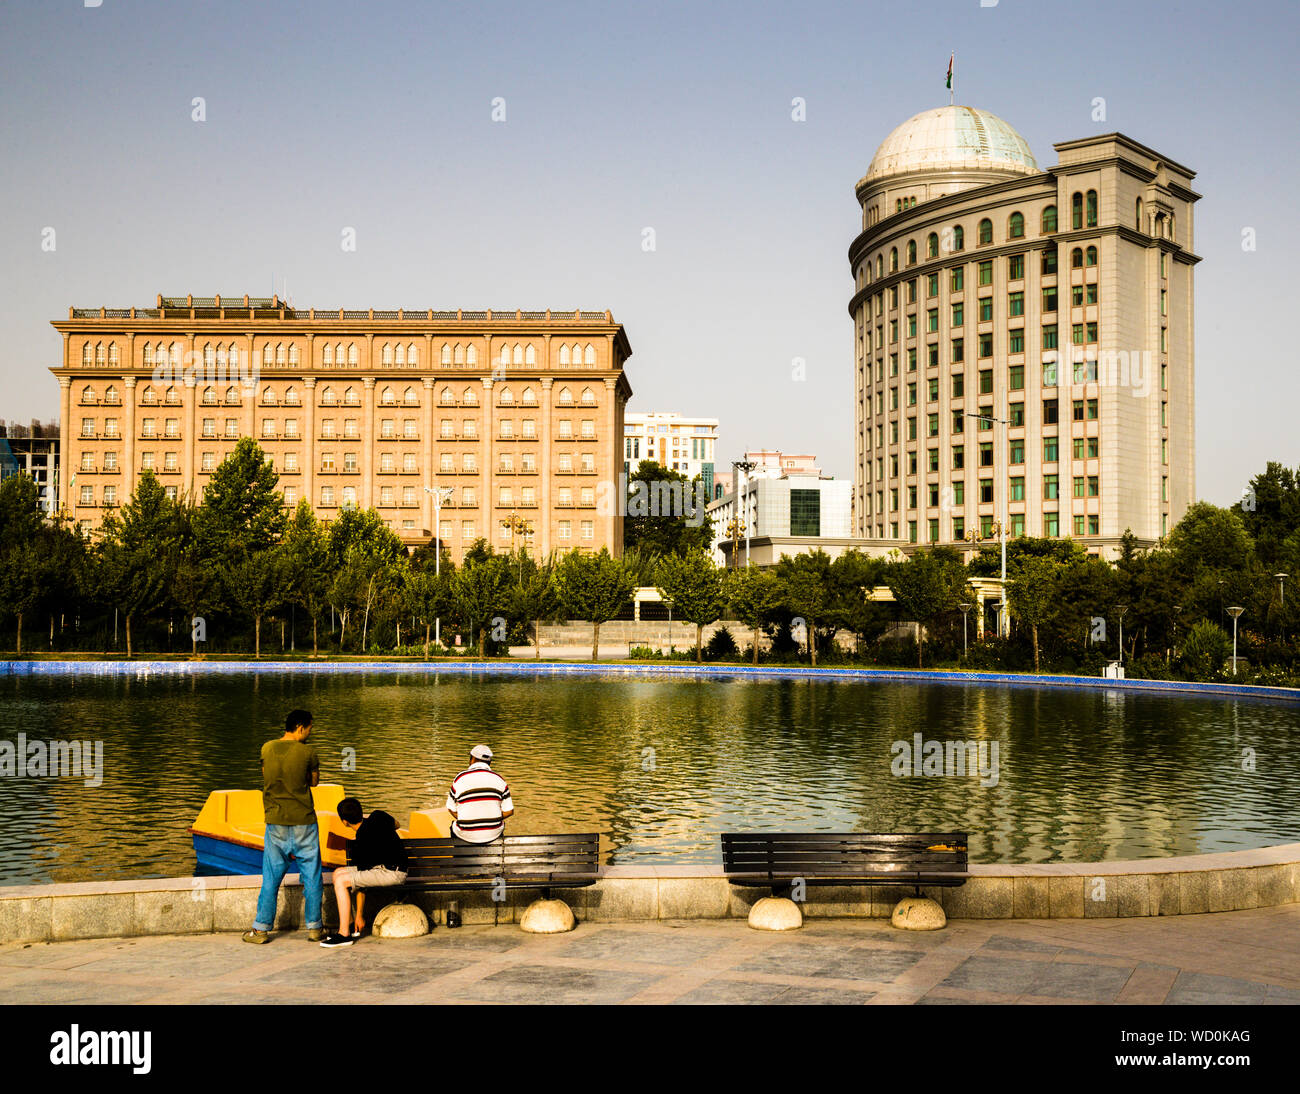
378	859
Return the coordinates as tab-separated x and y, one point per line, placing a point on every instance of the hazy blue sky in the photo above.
377	116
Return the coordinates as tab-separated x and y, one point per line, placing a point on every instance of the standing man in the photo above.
290	768
479	800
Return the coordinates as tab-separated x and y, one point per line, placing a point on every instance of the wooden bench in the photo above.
779	859
517	862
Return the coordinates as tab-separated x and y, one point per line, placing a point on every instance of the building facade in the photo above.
512	416
33	450
1023	338
680	443
787	507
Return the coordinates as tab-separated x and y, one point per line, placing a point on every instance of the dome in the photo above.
952	138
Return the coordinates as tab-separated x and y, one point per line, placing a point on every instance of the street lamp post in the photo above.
1121	609
965	648
1005	423
1281	581
1235	612
438	498
744	467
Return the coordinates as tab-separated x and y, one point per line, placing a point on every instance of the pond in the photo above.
661	765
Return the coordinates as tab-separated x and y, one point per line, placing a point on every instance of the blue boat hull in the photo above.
216	856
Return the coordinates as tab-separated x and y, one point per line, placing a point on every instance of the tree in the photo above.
137	553
536	598
362	555
988	560
258	584
853	576
242	511
1273	510
593	587
665	512
926	586
694	585
805	584
427	595
307	558
1204	650
25	578
754	596
1031	595
481	590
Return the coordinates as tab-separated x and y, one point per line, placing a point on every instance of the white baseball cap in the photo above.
481	752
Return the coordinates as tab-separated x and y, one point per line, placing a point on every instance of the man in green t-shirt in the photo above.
290	768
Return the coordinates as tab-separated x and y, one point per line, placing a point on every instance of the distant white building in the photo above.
681	443
788	506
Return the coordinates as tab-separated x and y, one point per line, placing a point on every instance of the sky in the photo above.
513	156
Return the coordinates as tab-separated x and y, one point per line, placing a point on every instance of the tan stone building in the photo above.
1024	338
512	416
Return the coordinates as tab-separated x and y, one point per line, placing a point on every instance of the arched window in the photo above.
110	395
1138	216
911	252
327	356
507	398
112	355
387	355
87	355
577	354
232	395
172	397
469	398
221	357
590	355
101	354
293	354
460	354
471	355
210	396
1076	258
530	354
1091	257
291	397
530	398
268	396
409	397
148	355
87	394
1171	227
447	398
985	232
350	397
1016	226
566	397
446	353
880	266
1049	219
209	355
412	355
281	355
588	397
387	397
401	355
932	245
564	355
352	355
893	259
1092	208
958	238
519	354
327	397
1076	211
149	396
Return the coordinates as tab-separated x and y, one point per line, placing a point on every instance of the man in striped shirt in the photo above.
479	800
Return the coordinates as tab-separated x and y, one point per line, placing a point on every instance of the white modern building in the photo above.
787	506
681	443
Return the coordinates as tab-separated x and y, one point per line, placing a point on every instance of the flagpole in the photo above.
952	87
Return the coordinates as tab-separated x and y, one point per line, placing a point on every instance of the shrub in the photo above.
721	644
1204	650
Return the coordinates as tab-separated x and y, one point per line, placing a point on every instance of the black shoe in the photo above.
332	940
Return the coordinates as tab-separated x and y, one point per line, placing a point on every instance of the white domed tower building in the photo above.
1023	337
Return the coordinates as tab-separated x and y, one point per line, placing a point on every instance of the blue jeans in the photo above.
302	841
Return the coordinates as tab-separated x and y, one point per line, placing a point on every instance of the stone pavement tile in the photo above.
226	995
192	959
824	960
1005	942
1149	984
738	992
657	948
1288	996
1195	988
362	969
493	939
1080	982
548	984
67	955
1004	976
46	988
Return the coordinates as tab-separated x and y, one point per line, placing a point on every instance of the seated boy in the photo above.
378	859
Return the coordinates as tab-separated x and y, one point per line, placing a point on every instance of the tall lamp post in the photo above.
440	494
1002	523
1235	612
965	648
1281	581
520	529
744	467
1121	609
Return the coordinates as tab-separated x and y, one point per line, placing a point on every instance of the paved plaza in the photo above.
1233	957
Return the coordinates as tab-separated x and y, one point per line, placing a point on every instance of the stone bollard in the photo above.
400	921
918	913
775	913
548	917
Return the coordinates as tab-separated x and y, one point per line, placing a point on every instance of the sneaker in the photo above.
315	934
258	937
332	940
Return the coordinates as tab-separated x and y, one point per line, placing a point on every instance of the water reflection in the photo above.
658	766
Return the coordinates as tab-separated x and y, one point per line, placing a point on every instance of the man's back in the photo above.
479	797
287	768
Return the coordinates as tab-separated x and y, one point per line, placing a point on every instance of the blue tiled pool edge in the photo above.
579	668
